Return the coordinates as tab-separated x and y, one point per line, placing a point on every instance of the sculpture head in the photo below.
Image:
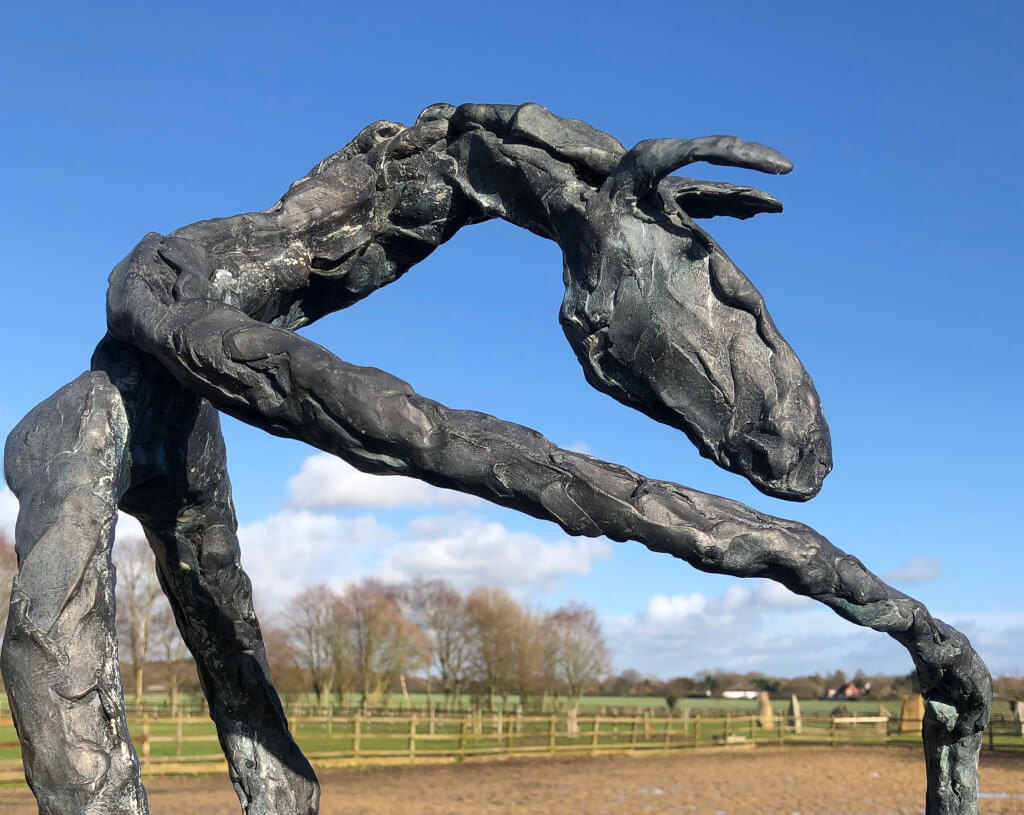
662	319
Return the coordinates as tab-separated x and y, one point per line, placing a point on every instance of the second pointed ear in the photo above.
710	199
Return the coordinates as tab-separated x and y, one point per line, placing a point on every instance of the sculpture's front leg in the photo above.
66	463
182	495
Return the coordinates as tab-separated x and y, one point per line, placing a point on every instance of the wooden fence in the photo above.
189	745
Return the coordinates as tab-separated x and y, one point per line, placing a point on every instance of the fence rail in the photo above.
184	744
179	745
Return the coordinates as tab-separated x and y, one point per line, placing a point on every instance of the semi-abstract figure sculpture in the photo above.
203	320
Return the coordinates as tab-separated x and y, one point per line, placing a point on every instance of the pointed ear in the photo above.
643	167
708	199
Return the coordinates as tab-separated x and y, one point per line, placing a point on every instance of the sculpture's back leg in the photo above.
181	493
65	462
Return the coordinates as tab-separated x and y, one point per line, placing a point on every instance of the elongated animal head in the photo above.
662	320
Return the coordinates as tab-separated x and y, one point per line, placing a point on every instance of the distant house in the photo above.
847	691
739	694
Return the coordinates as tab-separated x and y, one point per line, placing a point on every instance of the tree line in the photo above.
372	639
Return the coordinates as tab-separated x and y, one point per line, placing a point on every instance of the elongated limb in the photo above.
66	463
181	493
760	413
290	386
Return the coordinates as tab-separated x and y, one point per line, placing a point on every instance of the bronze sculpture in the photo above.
203	320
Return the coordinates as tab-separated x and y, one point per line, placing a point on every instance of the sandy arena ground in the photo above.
808	781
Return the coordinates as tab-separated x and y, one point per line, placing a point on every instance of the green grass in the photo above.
157	704
710	718
610	704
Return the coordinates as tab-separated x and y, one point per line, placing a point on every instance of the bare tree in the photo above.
440	612
137	591
8	569
528	669
343	656
384	642
494	618
281	657
577	651
171	647
312	620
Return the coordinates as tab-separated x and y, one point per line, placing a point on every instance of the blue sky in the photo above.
894	272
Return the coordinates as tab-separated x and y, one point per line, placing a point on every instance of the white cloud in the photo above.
462	548
8	511
127	528
755	625
758	597
468	552
769	594
580	447
762	595
919	569
325	482
303	544
293	549
662	609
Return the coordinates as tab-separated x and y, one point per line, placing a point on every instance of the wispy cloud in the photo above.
293	548
919	569
325	482
754	625
757	625
468	551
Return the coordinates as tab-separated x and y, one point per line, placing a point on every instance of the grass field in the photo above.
403	735
156	704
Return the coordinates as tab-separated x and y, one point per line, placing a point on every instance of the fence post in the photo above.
177	738
991	736
751	729
145	736
519	719
647	724
330	720
696	729
632	734
412	736
668	730
433	717
595	734
357	728
552	724
728	715
832	732
462	738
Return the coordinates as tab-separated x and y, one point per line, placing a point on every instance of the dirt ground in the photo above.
808	781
